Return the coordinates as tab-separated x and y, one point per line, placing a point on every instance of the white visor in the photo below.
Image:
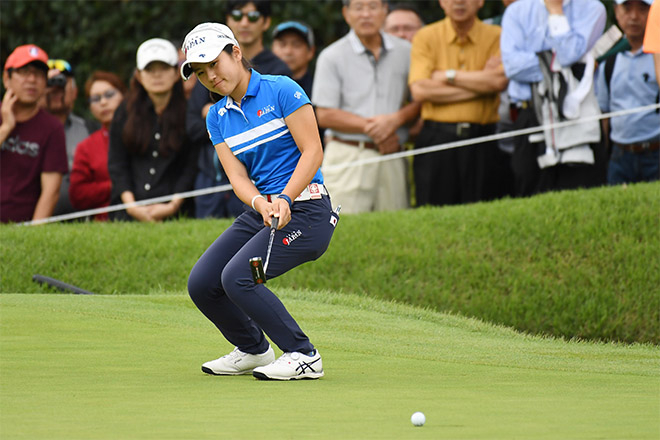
203	44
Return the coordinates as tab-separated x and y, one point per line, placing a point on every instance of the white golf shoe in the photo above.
292	366
238	362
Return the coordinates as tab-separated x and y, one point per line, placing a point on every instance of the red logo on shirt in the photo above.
267	109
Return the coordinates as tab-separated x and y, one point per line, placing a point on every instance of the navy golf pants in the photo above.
221	284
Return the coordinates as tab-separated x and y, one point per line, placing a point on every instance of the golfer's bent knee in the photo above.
199	286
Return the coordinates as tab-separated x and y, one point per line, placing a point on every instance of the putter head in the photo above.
257	268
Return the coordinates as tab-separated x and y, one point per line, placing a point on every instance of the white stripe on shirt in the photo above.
263	141
256	132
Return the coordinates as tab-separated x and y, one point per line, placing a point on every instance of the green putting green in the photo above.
128	367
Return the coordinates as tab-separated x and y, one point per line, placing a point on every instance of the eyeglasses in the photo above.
61	65
108	94
252	16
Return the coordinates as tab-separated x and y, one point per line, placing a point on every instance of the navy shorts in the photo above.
221	284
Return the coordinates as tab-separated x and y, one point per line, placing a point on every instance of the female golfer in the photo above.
265	133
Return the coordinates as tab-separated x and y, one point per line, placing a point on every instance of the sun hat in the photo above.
26	54
156	49
204	43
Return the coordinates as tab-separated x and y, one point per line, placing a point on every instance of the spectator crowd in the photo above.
392	83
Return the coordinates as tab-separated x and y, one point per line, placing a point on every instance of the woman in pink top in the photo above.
90	181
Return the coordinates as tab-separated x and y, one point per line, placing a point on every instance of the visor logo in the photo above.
192	43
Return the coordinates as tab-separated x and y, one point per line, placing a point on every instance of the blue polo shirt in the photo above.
256	131
633	84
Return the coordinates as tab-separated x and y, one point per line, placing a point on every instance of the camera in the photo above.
58	80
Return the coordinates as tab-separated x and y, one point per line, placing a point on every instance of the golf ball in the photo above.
418	419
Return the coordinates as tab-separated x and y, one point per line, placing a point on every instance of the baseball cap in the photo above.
296	26
26	54
156	49
620	2
62	65
204	43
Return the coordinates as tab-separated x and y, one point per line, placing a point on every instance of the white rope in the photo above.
394	156
120	207
489	138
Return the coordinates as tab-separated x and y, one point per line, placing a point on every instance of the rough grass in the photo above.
576	264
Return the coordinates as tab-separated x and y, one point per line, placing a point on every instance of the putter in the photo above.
256	265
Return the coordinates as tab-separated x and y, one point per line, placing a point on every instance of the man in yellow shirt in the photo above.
652	37
456	72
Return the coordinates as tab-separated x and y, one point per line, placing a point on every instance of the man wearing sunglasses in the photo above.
248	20
33	153
61	96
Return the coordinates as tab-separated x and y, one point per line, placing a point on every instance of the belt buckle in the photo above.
314	191
645	145
462	126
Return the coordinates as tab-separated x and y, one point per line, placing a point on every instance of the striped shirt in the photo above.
256	131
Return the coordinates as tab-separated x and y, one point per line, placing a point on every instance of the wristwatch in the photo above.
451	75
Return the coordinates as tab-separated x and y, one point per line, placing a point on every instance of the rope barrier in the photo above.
394	156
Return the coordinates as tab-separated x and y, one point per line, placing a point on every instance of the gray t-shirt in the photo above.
348	77
75	131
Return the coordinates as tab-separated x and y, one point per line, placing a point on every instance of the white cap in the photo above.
204	43
156	49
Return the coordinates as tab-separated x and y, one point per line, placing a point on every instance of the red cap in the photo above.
26	54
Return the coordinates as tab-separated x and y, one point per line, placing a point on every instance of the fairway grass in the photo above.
128	367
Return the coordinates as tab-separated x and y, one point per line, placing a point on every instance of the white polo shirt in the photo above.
256	131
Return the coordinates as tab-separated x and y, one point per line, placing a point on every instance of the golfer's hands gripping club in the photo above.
270	211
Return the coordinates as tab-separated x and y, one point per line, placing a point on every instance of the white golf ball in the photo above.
418	419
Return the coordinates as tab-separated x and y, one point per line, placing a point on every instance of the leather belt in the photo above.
359	144
521	105
460	129
639	147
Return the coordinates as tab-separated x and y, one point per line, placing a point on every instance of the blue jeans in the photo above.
221	284
628	167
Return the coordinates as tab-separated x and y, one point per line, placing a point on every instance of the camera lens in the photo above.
57	81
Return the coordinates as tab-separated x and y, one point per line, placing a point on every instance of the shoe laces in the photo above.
234	354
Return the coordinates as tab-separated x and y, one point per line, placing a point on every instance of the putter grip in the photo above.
273	222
